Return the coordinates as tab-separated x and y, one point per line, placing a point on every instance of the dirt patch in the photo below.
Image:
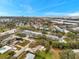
55	53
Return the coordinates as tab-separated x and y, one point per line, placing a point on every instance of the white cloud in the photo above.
27	8
4	13
61	14
55	14
74	14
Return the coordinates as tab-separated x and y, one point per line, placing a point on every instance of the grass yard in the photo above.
43	55
24	43
34	44
6	55
22	56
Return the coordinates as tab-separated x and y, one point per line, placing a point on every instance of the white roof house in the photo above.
4	49
75	29
58	28
40	47
53	37
76	50
66	31
30	56
31	32
8	32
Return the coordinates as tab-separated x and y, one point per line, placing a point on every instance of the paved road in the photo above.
22	50
8	32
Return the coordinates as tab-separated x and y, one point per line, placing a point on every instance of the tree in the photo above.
21	34
11	53
0	45
71	35
67	54
10	25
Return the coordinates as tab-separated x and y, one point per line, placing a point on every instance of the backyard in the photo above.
6	55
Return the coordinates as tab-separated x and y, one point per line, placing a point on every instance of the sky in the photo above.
39	7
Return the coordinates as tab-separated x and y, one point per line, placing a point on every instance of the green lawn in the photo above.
5	55
43	55
3	29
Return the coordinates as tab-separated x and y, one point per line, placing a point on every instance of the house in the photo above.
8	32
30	56
39	47
31	33
75	29
76	50
53	37
4	49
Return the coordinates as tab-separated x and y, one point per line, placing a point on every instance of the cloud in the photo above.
27	8
4	13
55	14
61	14
11	7
74	14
